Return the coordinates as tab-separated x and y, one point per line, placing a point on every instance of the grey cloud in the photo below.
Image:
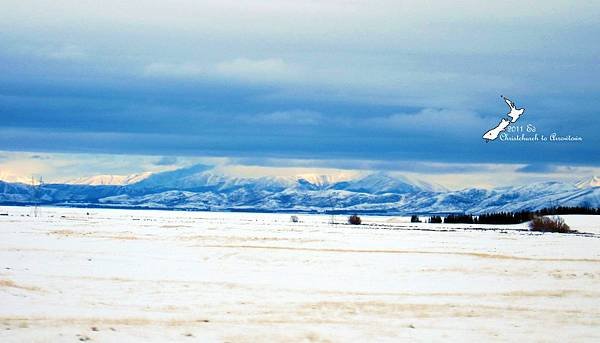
293	117
166	161
544	168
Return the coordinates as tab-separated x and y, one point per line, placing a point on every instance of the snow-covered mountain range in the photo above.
200	187
103	180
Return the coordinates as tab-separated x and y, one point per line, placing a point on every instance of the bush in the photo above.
415	219
354	220
549	224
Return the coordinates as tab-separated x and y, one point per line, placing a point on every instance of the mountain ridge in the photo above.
109	180
200	187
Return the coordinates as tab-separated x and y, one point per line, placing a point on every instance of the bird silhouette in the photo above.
515	113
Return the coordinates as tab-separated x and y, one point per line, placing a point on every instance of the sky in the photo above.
293	86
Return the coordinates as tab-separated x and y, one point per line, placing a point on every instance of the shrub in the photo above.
354	220
549	224
415	219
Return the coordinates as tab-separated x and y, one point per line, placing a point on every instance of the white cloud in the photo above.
258	70
44	50
19	167
269	70
177	70
432	120
67	52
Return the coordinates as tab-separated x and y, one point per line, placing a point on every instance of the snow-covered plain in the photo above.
154	276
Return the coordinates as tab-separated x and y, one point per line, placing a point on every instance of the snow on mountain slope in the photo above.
423	185
473	201
14	192
537	196
378	183
201	177
168	199
201	187
103	180
184	178
324	181
594	181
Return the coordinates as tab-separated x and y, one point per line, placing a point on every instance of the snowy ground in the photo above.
123	276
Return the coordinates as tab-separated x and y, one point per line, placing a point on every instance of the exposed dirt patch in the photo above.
63	232
11	284
174	226
71	233
470	254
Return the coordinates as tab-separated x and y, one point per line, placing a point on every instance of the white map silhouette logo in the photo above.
515	113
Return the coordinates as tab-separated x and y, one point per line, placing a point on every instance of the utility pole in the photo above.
36	188
331	204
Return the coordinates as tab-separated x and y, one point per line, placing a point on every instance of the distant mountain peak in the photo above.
380	183
109	180
182	178
7	177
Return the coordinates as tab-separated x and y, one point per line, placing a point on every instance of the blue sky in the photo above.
394	85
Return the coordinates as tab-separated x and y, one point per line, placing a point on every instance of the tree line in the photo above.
509	217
